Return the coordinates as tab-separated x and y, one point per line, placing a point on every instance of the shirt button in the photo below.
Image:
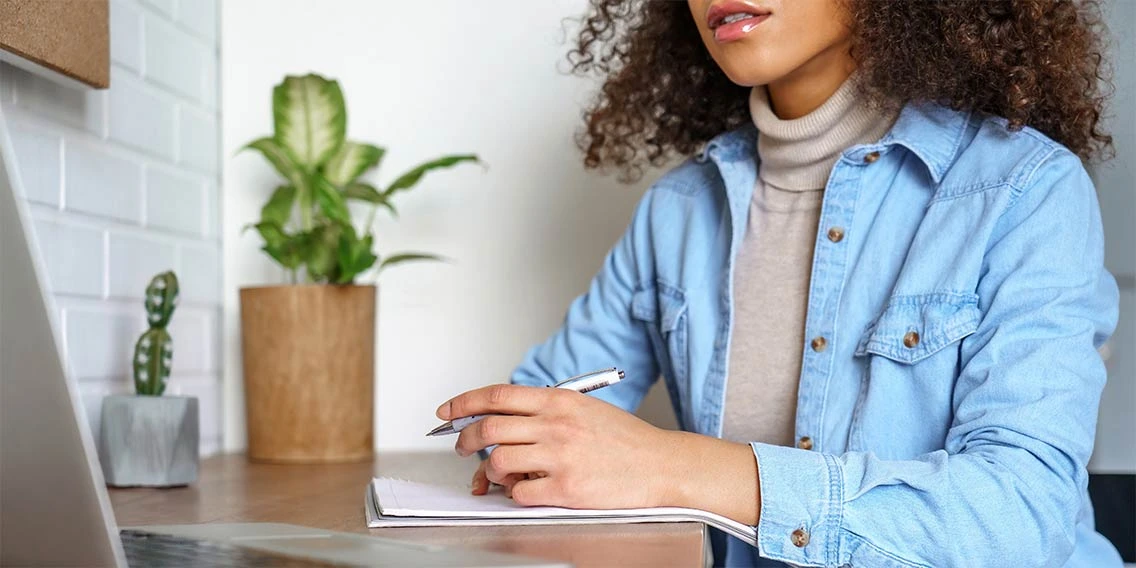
910	339
818	344
871	157
836	234
805	443
800	538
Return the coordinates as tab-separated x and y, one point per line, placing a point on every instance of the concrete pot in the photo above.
149	441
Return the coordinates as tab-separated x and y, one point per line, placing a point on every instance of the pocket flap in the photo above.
913	328
663	305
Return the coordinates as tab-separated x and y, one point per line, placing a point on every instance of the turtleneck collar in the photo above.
798	154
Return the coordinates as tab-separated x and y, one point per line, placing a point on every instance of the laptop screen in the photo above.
55	509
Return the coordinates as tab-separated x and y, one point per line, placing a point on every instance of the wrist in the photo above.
681	457
673	470
701	472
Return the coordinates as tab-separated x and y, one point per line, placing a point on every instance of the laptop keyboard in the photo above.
161	551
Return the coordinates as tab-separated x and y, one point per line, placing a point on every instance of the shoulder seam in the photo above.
1020	183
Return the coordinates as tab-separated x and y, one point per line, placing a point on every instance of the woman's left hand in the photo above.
587	454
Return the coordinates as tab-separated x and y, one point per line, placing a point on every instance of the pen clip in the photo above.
584	376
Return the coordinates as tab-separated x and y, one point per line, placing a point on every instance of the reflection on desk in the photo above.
230	489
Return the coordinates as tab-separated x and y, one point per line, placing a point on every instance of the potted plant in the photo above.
148	439
308	347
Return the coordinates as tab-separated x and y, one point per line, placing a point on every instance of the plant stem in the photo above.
305	198
371	219
306	218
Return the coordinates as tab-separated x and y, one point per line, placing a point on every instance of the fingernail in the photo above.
443	411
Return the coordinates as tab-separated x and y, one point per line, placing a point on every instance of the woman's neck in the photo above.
810	85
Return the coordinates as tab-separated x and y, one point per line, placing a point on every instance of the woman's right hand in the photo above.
481	481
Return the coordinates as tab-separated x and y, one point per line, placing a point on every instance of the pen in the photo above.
580	383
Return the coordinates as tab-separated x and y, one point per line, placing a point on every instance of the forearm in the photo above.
712	475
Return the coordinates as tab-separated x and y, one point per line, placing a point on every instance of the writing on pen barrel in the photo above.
584	383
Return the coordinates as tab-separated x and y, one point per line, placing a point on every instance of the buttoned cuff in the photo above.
802	503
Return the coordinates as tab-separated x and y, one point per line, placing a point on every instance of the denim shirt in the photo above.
959	285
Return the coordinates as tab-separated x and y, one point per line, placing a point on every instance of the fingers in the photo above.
537	491
480	481
518	460
509	481
497	430
498	399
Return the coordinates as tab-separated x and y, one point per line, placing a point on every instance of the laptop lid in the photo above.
54	508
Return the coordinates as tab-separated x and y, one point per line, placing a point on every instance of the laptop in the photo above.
54	507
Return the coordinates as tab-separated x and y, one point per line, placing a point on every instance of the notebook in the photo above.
401	503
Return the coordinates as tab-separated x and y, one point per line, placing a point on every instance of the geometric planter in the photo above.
149	441
308	355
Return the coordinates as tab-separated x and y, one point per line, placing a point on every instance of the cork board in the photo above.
70	37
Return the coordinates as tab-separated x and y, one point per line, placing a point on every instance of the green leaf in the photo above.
350	161
320	252
331	202
407	257
282	247
286	256
363	192
368	193
310	118
279	207
278	157
410	178
355	255
271	232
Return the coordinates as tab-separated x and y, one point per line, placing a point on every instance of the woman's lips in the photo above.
731	21
737	30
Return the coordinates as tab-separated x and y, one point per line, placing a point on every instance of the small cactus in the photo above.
154	351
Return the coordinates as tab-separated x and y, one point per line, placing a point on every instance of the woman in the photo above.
876	293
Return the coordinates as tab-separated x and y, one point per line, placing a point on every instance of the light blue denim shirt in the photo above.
952	406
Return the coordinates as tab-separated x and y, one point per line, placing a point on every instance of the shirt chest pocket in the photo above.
663	311
911	355
913	328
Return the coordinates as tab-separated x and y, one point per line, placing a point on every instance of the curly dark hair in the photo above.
1033	62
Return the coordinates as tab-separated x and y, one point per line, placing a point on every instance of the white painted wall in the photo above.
1116	187
122	184
526	235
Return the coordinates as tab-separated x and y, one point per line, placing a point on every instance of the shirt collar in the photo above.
931	131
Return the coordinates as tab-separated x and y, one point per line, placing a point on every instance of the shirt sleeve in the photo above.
599	330
1007	486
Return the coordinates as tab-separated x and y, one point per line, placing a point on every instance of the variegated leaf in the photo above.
278	157
310	118
331	201
279	207
352	159
410	178
368	193
407	257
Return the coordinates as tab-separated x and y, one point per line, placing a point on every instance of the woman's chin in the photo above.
751	75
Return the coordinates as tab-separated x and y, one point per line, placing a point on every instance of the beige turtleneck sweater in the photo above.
771	274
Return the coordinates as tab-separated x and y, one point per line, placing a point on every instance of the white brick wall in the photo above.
122	184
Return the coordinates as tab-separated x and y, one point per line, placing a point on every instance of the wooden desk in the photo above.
230	489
